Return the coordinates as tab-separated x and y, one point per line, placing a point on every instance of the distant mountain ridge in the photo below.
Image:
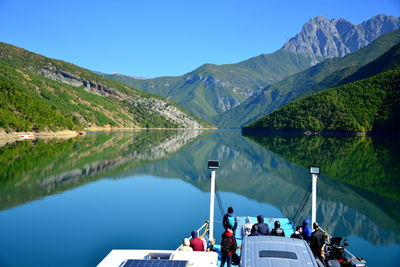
364	105
211	90
328	73
321	38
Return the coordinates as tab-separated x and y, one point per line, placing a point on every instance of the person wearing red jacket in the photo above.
196	243
228	246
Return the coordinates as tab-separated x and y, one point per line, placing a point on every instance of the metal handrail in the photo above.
198	230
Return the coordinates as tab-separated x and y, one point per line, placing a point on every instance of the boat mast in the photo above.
314	171
213	165
314	199
212	194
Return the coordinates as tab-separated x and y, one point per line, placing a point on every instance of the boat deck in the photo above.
120	257
285	225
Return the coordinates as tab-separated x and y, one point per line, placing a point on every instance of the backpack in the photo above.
235	259
228	244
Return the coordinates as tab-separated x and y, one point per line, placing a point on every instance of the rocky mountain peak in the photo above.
322	38
379	25
318	20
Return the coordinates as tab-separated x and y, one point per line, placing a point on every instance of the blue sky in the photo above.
152	38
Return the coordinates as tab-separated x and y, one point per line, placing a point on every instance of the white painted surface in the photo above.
195	258
212	195
314	199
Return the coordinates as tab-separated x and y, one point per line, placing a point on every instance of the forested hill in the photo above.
368	105
38	94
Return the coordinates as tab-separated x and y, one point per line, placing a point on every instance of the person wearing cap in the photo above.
196	243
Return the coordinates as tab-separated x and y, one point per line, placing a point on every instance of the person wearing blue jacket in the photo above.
263	228
230	219
306	230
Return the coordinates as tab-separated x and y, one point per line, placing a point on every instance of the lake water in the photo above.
70	202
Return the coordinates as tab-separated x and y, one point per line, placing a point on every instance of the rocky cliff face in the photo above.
62	76
154	104
321	38
173	114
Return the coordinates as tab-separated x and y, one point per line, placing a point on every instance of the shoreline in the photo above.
4	134
10	137
260	131
110	129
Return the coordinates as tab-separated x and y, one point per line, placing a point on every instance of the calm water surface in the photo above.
69	202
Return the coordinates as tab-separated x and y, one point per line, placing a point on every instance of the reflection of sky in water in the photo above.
387	255
81	226
83	223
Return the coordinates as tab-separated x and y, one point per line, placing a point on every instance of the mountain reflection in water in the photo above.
357	190
251	170
32	170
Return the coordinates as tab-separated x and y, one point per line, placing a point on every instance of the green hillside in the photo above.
212	89
70	97
319	77
367	105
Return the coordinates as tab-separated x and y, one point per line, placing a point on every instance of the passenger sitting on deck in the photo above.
277	231
246	228
263	229
297	234
228	246
196	243
254	230
306	230
230	219
186	245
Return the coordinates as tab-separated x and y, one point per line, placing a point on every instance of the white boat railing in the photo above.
198	230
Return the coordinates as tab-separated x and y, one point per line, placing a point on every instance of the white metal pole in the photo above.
314	199
212	194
